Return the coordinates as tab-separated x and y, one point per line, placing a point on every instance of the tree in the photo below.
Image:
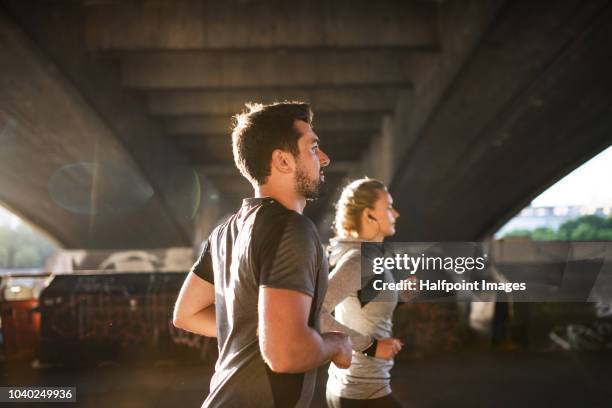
27	257
4	261
23	247
585	228
544	234
518	233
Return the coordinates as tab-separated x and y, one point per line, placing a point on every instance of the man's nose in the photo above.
323	158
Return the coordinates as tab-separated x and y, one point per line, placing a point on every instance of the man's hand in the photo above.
342	359
388	348
287	343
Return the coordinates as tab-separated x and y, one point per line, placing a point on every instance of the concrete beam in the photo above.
233	185
344	99
338	145
550	114
263	68
198	124
461	25
323	122
61	166
221	152
377	160
219	169
519	65
57	29
229	169
336	138
193	24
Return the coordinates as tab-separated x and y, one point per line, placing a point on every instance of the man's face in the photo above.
310	162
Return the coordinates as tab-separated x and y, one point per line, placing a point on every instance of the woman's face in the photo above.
385	214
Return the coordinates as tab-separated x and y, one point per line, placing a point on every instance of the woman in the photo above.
364	212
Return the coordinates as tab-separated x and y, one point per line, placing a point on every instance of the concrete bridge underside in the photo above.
114	116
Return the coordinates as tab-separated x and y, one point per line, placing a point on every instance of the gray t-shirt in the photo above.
263	245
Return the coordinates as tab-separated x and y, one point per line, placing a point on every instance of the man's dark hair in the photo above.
260	130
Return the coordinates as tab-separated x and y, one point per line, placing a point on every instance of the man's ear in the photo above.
283	161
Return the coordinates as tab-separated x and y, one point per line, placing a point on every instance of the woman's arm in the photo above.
343	281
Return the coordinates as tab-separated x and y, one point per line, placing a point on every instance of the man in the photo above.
261	278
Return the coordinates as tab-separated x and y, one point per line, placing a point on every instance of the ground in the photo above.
467	379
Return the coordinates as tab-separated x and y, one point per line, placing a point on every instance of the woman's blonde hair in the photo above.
356	197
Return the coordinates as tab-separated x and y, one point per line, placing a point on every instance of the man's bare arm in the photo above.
286	341
195	307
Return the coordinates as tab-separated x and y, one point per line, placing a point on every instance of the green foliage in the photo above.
4	261
585	228
518	233
23	248
543	234
27	257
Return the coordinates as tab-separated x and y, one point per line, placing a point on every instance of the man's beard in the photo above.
305	186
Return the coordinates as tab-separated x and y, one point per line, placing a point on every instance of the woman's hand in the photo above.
388	348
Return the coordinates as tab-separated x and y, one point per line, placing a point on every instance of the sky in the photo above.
588	185
7	218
